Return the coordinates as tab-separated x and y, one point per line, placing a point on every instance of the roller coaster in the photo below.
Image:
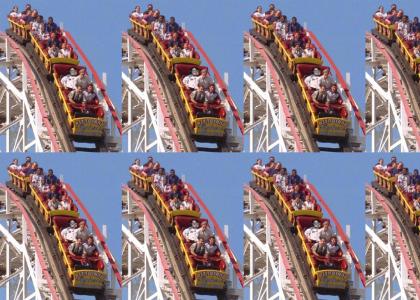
37	252
158	257
280	113
392	89
158	110
36	113
280	253
392	235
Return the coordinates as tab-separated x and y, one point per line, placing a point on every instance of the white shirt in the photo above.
44	188
137	167
403	28
137	15
167	188
44	36
191	233
69	234
65	205
14	167
307	52
158	28
186	52
158	180
403	181
312	233
297	204
416	52
186	205
312	81
14	14
281	29
281	181
308	205
36	27
380	167
258	14
64	53
190	81
380	14
416	204
258	167
53	52
297	52
36	180
69	81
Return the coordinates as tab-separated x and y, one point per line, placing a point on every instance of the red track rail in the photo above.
341	233
219	81
166	266
219	233
398	235
37	93
97	232
158	91
280	244
400	87
98	81
341	81
289	119
34	241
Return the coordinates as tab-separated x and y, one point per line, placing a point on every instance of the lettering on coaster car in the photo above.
332	127
89	127
333	279
211	279
211	126
89	279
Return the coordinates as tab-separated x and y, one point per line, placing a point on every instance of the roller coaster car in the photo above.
326	127
140	30
407	202
386	31
328	273
264	31
206	274
388	186
19	183
89	278
204	128
406	47
286	202
163	202
87	127
41	201
162	48
41	49
264	184
18	30
387	183
285	49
